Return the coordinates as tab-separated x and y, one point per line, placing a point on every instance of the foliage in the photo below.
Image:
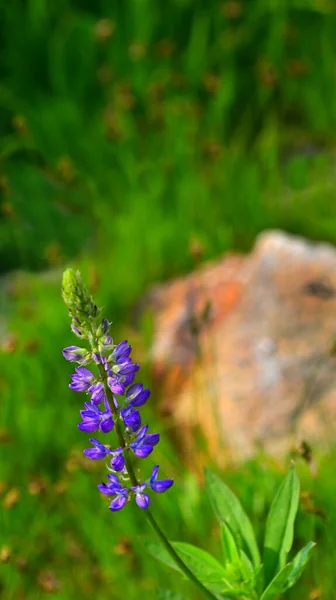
241	576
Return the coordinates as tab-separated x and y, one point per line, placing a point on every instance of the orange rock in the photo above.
259	370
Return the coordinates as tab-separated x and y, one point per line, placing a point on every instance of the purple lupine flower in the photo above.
121	352
94	418
107	343
159	485
81	380
131	417
99	450
114	488
136	395
75	354
116	386
105	325
141	499
143	444
126	380
97	392
97	357
116	380
125	368
76	330
118	461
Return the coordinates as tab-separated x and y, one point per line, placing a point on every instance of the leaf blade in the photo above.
299	563
206	568
229	510
278	584
280	525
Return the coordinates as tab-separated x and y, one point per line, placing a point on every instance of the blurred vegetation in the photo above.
133	132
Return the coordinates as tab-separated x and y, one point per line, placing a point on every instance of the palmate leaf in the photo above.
278	584
229	510
299	562
280	525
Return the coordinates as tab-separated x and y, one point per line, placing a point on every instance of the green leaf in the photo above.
200	562
206	568
168	595
280	525
237	564
229	510
159	552
230	549
299	563
278	584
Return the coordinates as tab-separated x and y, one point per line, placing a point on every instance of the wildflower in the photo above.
136	395
115	377
159	485
143	444
75	354
115	386
121	352
141	499
118	461
97	392
81	380
99	450
94	418
131	418
114	488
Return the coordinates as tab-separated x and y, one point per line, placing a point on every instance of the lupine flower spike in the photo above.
112	401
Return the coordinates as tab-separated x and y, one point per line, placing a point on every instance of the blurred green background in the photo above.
131	131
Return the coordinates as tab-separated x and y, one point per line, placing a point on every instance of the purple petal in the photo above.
117	463
113	479
115	386
128	379
118	502
144	451
131	418
89	414
152	438
106	488
89	426
94	453
162	485
141	433
74	353
122	350
126	369
97	443
142	500
105	325
141	398
78	386
76	330
139	488
134	390
106	425
83	372
154	473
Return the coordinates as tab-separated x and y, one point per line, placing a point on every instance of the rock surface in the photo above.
241	348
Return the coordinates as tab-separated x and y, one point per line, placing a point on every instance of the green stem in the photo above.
179	562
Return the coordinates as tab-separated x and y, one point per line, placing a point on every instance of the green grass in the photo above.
196	120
